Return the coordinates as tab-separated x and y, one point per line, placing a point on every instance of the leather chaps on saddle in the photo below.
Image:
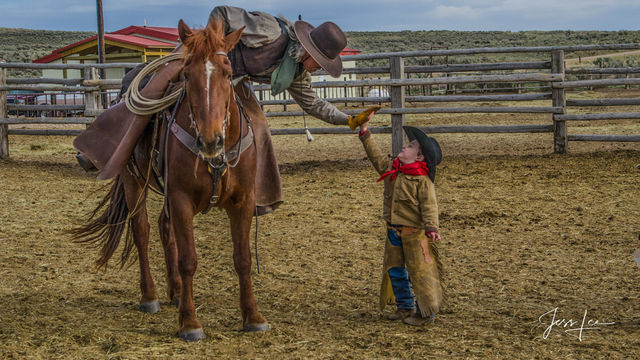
110	140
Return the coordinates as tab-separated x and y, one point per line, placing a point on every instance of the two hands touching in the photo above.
362	119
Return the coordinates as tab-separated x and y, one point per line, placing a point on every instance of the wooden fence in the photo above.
549	79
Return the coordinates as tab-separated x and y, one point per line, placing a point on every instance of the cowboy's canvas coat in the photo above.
262	48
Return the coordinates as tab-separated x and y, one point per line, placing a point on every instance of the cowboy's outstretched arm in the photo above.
301	91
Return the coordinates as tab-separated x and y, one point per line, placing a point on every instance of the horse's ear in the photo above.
232	39
184	31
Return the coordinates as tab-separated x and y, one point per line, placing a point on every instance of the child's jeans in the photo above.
399	277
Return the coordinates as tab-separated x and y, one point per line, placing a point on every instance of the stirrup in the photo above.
85	164
263	210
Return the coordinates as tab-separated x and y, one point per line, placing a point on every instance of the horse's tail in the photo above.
107	229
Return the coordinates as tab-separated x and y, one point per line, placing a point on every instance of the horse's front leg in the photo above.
240	215
181	219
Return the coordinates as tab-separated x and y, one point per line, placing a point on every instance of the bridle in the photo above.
221	161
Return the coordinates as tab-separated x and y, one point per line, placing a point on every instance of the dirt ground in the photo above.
524	232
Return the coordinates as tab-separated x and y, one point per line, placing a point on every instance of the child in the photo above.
410	210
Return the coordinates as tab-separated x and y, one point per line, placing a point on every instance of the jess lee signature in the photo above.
570	326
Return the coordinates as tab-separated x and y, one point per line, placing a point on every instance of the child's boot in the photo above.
401	314
418	320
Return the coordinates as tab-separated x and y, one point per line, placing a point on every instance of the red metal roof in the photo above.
138	41
349	51
48	58
166	33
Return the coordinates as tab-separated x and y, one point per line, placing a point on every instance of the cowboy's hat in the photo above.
429	148
324	43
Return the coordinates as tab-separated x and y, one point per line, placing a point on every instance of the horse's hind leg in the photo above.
240	217
174	283
137	203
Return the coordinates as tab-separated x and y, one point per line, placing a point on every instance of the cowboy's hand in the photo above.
366	115
434	236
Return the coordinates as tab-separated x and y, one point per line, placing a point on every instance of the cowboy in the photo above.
275	51
410	211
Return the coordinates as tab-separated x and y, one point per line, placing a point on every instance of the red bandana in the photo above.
415	168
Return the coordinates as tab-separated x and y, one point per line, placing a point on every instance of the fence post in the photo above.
560	142
92	101
284	97
396	64
345	93
4	128
627	87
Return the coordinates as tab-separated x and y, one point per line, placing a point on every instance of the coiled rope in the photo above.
140	105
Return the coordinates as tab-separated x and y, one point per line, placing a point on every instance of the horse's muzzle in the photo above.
210	149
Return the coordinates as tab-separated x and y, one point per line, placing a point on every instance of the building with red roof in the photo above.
131	44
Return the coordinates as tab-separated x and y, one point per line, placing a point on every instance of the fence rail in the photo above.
407	90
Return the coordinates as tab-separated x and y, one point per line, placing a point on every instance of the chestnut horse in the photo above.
209	112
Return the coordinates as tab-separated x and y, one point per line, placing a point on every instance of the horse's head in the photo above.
207	72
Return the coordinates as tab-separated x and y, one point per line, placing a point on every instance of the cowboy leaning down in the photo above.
273	50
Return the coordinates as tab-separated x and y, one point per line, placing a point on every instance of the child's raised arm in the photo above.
379	161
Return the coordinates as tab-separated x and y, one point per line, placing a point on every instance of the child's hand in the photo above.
434	236
364	126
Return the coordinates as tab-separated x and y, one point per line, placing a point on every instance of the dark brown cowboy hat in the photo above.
324	43
429	148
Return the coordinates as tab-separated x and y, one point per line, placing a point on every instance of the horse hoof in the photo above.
257	327
150	307
192	335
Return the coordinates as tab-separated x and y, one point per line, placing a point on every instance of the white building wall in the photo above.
53	73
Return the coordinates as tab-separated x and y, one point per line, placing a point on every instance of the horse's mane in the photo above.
204	43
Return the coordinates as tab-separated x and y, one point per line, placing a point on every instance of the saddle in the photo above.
164	125
110	140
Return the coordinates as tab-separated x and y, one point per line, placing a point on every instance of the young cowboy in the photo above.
410	210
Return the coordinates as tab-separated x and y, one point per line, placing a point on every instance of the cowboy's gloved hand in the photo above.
366	115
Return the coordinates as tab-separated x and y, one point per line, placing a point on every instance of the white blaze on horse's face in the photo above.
208	66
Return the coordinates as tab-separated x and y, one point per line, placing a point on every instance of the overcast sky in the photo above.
358	15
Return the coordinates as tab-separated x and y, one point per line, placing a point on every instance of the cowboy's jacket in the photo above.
408	200
260	51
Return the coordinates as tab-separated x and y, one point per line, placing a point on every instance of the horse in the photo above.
200	172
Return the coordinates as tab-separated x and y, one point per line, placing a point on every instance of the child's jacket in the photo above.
408	200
